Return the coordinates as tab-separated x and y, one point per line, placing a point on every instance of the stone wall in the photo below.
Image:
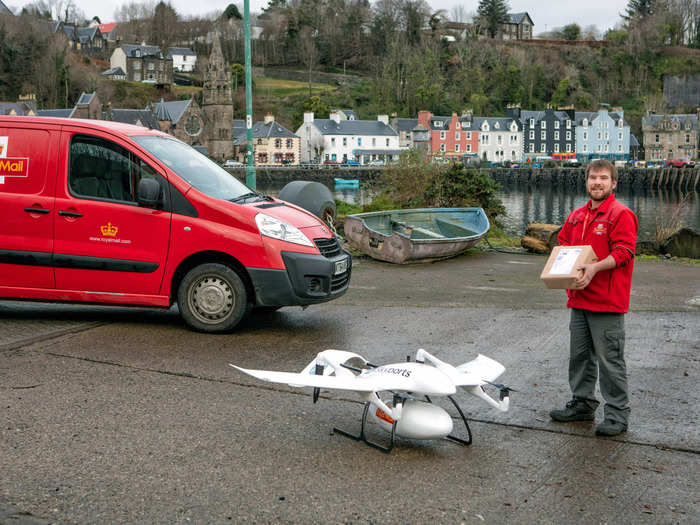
684	179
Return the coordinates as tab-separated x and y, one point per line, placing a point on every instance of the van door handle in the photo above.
70	213
37	210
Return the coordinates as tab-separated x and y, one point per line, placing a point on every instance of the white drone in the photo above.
405	415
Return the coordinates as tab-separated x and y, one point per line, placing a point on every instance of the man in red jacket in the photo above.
598	303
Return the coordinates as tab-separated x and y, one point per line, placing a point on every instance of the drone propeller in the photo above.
504	390
319	372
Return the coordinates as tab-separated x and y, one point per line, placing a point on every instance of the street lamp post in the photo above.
250	167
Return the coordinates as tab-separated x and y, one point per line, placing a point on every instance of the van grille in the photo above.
338	282
328	247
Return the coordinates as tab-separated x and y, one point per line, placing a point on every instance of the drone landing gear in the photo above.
363	436
454	438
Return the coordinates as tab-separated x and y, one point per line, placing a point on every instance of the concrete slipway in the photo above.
117	415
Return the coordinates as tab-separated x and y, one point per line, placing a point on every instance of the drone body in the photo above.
404	415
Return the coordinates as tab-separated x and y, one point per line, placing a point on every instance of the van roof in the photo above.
104	125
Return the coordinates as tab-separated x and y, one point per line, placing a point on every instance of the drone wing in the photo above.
350	382
478	371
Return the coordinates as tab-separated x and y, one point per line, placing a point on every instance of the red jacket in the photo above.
610	229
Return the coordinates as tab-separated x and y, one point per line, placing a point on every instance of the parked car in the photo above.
330	163
350	162
572	163
376	162
680	162
108	213
308	164
230	163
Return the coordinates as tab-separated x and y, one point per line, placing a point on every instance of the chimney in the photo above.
513	111
424	118
308	117
384	119
619	111
269	118
335	116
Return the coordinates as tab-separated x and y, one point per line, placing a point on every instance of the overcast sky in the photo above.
546	14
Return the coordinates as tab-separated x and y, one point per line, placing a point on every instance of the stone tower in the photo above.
217	105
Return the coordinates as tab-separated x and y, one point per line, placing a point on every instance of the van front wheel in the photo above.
212	298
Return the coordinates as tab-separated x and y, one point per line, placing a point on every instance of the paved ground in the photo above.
119	415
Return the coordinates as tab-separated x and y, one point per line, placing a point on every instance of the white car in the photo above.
230	163
377	162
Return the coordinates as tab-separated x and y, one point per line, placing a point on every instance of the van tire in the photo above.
212	298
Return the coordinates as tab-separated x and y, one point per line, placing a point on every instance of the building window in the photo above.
568	135
619	136
568	123
619	148
151	66
513	139
542	148
289	144
556	124
456	148
532	122
442	147
532	134
442	135
556	135
458	136
687	138
457	125
137	76
345	141
499	140
619	123
333	142
543	124
606	148
600	135
438	123
259	142
599	148
485	139
387	143
137	65
543	135
469	148
278	143
469	135
359	141
585	135
556	148
607	136
657	139
585	148
532	148
568	148
374	141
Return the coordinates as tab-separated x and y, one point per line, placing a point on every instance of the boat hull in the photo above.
409	236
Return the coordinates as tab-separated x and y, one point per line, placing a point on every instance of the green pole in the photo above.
250	168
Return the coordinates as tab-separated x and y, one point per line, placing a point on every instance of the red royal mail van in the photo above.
102	212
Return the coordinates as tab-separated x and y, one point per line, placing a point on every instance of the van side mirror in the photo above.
148	193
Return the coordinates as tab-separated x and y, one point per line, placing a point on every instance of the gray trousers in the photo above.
597	348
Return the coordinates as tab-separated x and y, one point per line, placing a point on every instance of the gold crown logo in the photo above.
109	230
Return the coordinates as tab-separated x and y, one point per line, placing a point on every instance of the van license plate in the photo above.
341	266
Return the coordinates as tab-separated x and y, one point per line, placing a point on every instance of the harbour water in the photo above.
525	204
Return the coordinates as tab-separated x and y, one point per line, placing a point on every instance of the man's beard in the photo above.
602	198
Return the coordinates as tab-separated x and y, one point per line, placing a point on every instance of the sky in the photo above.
546	14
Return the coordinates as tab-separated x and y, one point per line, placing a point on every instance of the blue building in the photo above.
602	135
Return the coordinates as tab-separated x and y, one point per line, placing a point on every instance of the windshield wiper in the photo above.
250	195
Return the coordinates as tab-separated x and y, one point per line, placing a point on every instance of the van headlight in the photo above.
277	229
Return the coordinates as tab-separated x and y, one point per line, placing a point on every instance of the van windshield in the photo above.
205	175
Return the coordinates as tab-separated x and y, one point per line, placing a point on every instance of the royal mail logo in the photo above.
600	229
14	167
109	230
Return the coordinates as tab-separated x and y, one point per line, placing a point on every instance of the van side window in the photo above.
104	170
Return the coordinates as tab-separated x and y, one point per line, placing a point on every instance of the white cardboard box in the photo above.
560	271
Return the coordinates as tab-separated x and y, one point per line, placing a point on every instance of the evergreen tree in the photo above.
639	9
492	13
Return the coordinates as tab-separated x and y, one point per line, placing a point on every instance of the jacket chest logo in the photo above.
600	229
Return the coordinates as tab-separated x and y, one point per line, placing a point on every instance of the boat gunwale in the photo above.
360	216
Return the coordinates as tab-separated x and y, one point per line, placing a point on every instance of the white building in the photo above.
500	139
184	59
338	140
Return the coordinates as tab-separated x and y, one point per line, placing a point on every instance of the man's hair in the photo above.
602	164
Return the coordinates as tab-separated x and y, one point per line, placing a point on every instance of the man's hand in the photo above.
588	271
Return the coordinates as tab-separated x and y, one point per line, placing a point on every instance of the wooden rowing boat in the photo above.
417	235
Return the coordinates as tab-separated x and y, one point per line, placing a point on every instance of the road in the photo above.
125	416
